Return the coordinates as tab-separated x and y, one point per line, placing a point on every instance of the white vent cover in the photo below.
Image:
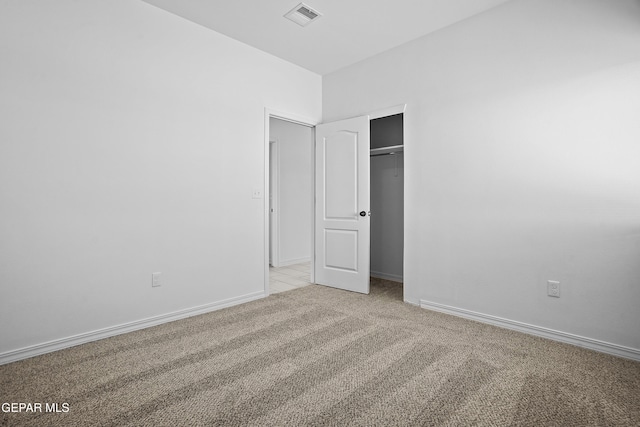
303	15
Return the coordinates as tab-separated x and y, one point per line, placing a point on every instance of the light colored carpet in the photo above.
324	357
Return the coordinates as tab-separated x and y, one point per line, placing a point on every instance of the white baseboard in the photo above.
294	261
412	301
592	344
59	344
392	277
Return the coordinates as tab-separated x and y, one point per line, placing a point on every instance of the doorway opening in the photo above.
290	204
384	168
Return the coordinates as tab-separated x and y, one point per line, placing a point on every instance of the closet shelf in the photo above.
394	149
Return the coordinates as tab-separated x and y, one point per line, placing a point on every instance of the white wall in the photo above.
294	190
131	141
521	162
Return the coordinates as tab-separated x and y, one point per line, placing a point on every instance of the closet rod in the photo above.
394	149
393	153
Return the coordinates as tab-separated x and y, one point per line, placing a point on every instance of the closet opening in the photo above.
387	203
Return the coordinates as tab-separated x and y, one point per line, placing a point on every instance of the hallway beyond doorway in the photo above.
289	277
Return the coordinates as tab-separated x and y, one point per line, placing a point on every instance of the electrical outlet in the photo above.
155	279
256	193
553	288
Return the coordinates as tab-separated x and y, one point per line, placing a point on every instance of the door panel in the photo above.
341	248
342	183
342	192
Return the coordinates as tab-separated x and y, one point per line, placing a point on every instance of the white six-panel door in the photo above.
342	204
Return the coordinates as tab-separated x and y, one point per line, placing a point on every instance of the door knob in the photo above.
363	213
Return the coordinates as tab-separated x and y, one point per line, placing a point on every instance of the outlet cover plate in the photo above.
553	288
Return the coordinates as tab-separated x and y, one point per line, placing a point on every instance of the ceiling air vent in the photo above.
302	15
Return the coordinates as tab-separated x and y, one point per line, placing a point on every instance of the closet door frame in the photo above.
378	114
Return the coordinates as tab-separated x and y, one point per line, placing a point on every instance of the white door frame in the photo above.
304	121
274	207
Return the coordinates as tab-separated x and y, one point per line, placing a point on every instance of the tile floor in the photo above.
289	277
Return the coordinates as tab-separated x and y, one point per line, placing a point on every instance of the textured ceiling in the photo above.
349	30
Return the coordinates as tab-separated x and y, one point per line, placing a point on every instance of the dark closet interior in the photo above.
387	197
